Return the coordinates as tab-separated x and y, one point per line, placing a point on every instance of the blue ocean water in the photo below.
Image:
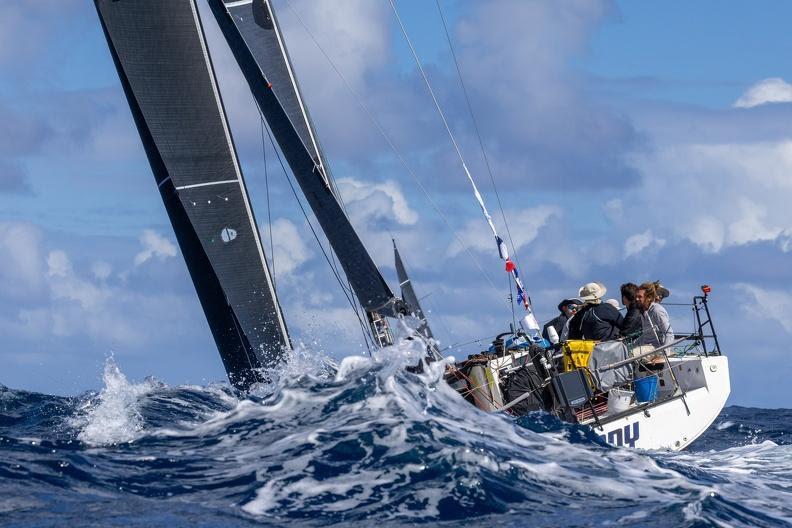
364	444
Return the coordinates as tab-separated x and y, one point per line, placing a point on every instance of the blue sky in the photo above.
629	141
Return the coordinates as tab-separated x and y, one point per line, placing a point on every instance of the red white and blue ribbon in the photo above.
503	251
522	297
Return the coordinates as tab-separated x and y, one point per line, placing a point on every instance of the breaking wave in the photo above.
360	443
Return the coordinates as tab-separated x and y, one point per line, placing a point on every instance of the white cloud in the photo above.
775	304
706	232
785	241
640	242
524	224
367	201
716	196
772	90
20	259
614	209
58	264
65	284
751	225
101	270
72	304
154	245
290	250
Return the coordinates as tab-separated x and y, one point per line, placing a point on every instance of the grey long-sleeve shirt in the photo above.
656	326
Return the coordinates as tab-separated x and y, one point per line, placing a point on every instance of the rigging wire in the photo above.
511	300
480	341
395	150
478	133
450	133
316	237
269	209
440	112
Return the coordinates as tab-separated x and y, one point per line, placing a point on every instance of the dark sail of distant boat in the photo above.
160	52
409	296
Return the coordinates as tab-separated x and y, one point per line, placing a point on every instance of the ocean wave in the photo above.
366	441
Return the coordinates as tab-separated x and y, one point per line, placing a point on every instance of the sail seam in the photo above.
206	184
278	313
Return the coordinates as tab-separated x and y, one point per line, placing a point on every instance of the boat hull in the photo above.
675	423
686	405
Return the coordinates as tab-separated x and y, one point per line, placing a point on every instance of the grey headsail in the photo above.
409	296
251	30
414	307
160	52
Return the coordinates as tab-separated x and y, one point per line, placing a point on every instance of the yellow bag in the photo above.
577	353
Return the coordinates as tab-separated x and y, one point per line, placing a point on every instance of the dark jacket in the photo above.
599	322
557	323
631	324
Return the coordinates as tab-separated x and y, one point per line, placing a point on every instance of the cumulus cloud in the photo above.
614	209
44	295
640	242
775	304
525	225
772	90
154	246
101	270
716	195
21	272
290	250
369	201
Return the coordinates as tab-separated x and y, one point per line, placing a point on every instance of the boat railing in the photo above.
655	351
678	391
704	330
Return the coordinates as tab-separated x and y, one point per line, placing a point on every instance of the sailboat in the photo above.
160	52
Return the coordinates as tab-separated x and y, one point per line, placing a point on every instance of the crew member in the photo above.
567	307
656	325
662	292
631	324
595	320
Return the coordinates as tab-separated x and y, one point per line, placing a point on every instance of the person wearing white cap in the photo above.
595	320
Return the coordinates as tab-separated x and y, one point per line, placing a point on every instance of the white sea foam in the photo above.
114	417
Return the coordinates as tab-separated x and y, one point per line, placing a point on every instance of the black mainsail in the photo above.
252	32
160	52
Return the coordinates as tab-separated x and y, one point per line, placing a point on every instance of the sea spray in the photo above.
114	416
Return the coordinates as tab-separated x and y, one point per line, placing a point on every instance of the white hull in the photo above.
683	411
669	425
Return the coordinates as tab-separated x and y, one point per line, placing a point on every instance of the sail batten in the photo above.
160	52
252	33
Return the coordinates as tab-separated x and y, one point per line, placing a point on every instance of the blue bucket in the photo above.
646	389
